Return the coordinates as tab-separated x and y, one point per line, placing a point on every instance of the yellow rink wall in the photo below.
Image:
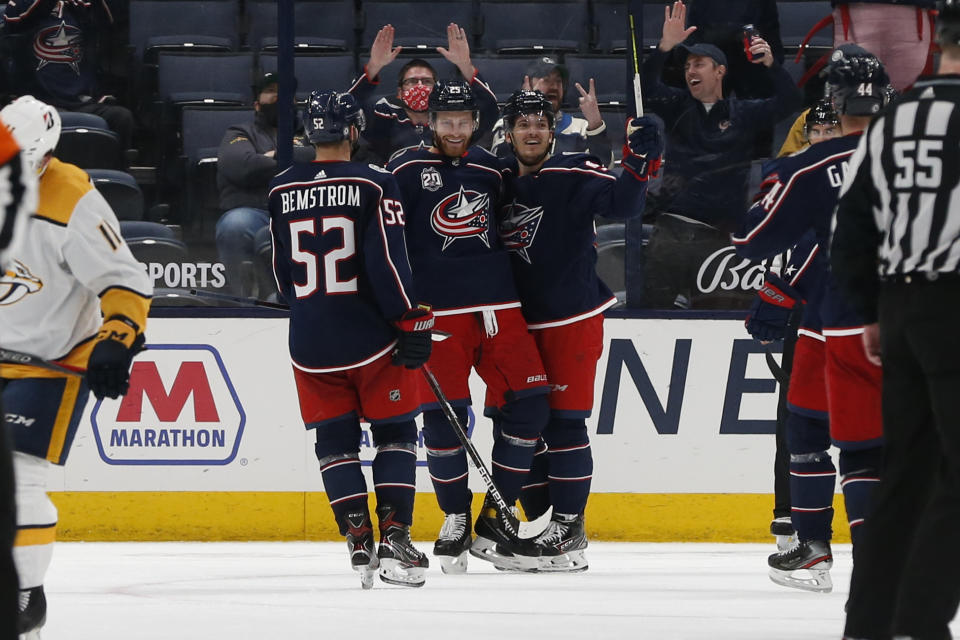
210	445
197	516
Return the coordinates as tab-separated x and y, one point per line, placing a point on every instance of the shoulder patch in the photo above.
61	187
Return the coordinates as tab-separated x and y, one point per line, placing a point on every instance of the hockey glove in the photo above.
108	370
415	342
643	151
771	309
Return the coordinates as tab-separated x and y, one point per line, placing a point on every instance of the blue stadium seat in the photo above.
608	72
503	73
201	131
182	25
121	192
316	71
610	25
211	78
319	25
797	18
509	26
417	22
87	141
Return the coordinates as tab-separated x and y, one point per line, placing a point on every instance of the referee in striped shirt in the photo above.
896	252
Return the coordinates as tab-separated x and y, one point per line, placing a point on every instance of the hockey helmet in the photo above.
948	22
35	126
856	81
820	113
525	102
328	116
451	95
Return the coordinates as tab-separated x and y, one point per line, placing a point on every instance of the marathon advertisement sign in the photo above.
182	409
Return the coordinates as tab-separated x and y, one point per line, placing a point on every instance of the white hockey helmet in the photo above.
35	126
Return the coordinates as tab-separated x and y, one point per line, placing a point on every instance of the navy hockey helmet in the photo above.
328	116
948	22
451	95
820	113
525	102
856	81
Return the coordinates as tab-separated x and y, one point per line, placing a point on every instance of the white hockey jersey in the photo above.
73	265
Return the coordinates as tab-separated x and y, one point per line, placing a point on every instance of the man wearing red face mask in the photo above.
402	121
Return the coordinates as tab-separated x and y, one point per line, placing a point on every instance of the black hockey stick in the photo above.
9	356
503	512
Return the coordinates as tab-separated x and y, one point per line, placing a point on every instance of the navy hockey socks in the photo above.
812	480
535	496
859	476
515	436
395	467
570	464
447	461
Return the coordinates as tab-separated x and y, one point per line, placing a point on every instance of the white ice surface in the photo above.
213	591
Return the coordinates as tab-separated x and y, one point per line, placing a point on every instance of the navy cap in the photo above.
264	81
706	49
542	67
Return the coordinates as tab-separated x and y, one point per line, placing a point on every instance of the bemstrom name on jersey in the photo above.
321	195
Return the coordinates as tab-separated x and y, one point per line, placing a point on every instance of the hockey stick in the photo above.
506	517
637	91
9	356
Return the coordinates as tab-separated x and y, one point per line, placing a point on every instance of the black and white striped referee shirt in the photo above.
899	211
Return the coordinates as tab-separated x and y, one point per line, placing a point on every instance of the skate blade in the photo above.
571	562
454	565
486	550
394	572
367	573
818	581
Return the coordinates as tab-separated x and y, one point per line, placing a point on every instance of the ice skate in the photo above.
562	545
782	530
400	562
497	541
806	566
363	557
454	542
33	613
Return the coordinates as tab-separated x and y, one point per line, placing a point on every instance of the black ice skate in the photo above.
363	558
498	540
562	544
33	612
782	530
805	566
453	542
400	562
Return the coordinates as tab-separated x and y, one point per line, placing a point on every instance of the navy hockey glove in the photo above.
643	151
771	309
108	370
415	342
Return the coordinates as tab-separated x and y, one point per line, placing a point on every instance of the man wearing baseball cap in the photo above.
587	134
710	142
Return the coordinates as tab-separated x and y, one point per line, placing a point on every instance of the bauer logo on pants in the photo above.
181	409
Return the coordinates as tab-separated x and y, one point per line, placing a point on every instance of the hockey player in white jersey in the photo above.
71	267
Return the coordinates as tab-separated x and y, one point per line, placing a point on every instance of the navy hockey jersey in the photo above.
340	261
797	198
452	238
547	223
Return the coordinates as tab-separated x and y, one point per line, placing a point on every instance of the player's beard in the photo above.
451	151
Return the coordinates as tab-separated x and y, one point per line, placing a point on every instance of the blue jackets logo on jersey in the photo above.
519	227
464	214
430	179
17	282
62	44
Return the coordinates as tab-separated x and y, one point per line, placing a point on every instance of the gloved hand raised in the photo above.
771	309
108	369
414	342
643	151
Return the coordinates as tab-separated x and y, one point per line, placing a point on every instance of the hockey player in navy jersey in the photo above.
451	191
834	392
547	223
356	334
